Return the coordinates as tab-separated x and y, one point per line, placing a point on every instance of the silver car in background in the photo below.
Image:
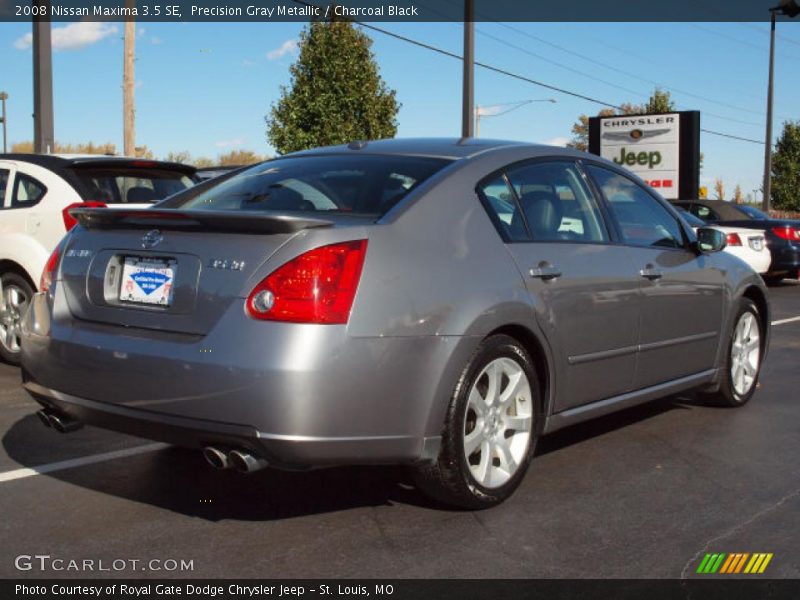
438	303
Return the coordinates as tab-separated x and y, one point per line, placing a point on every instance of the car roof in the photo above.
452	148
59	161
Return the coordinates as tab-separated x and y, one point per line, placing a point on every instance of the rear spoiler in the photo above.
195	220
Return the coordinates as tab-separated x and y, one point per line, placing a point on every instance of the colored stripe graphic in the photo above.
745	556
722	563
764	564
727	564
711	563
703	563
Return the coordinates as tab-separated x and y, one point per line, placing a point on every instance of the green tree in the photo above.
336	94
660	102
786	168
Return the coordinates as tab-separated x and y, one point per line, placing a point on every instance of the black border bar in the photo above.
258	11
714	588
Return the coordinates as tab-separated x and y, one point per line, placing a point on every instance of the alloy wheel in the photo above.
498	422
745	353
13	302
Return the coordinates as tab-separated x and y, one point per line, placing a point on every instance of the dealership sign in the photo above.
662	149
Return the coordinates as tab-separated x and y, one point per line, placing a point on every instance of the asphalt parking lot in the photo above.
644	493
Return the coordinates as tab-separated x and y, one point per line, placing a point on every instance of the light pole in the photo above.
43	132
3	98
791	9
468	83
495	110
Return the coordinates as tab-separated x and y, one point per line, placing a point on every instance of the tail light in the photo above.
316	287
46	282
734	239
787	232
69	220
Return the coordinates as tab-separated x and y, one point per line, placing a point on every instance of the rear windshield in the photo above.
366	185
753	213
120	185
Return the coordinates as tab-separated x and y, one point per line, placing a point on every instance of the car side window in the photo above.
642	219
27	191
4	174
556	203
502	206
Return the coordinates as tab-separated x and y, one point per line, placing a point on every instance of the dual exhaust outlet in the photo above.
59	422
240	460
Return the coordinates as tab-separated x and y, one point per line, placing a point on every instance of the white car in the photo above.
748	244
36	192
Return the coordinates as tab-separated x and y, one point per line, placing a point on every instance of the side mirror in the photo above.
710	240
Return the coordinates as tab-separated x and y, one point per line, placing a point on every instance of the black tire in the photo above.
449	479
11	315
727	394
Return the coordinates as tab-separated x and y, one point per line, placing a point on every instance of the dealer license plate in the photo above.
147	281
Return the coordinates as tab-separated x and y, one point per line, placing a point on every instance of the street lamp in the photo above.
791	9
3	98
495	110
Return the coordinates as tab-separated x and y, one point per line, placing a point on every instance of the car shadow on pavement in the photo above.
606	424
180	480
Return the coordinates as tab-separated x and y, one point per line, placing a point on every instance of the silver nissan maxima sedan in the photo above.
440	303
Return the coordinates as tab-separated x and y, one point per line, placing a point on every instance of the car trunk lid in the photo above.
169	270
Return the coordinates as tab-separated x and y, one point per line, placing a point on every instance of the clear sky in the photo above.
205	88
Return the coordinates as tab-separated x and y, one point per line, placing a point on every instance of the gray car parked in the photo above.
437	303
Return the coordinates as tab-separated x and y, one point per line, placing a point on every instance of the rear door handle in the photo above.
651	273
545	271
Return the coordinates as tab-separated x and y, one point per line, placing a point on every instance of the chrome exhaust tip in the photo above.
44	418
63	424
216	457
244	462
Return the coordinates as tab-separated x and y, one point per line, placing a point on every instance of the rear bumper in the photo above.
298	395
759	260
785	258
282	451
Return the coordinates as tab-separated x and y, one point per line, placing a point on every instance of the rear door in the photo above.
681	291
583	284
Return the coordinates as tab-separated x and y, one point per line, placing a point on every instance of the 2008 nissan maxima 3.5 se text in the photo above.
438	303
